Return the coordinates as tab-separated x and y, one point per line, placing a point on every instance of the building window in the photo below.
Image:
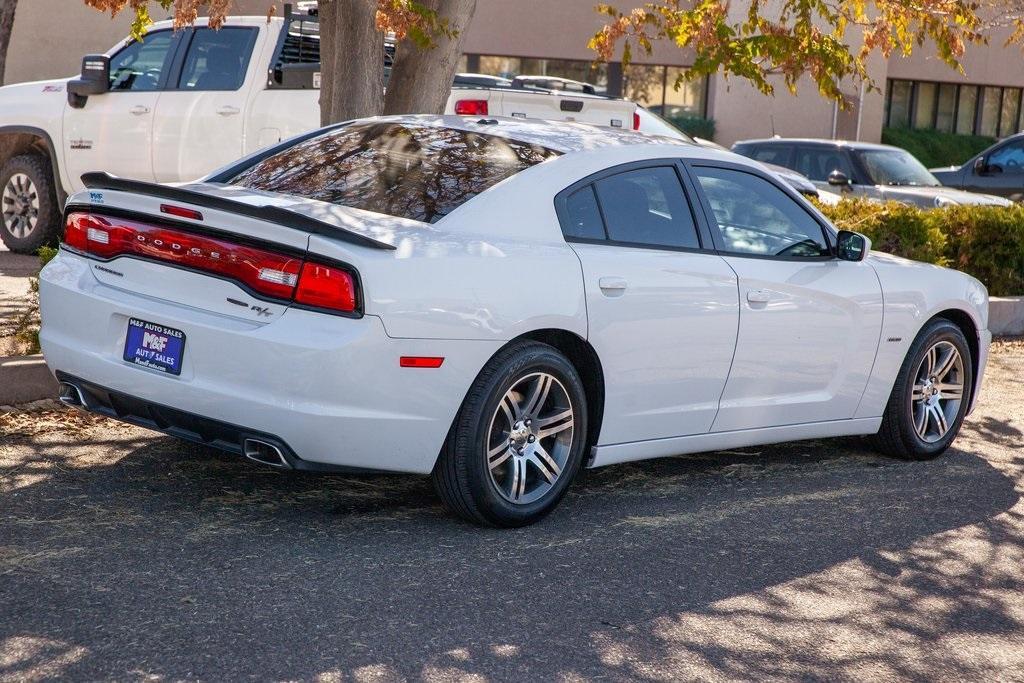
965	109
577	70
967	106
654	88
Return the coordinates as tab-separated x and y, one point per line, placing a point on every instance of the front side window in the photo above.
895	167
141	64
817	163
217	60
757	218
411	171
647	206
1008	158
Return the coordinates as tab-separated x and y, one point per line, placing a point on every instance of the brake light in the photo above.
471	107
181	212
636	120
265	272
326	287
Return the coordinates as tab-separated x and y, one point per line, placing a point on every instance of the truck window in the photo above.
141	65
217	60
411	171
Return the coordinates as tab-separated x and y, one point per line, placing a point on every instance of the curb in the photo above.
1006	316
24	379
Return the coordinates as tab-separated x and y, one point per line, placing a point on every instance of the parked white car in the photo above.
181	104
498	303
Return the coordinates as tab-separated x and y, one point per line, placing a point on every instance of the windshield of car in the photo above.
895	167
410	171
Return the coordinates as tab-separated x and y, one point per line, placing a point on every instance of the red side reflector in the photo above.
636	120
181	212
421	361
327	287
471	107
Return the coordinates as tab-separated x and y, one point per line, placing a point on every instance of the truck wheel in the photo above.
517	441
29	215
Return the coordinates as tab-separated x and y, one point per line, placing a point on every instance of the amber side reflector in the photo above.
421	361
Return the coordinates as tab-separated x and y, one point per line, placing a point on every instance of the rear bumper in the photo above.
328	388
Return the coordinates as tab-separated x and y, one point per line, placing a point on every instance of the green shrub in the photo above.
694	126
934	148
984	241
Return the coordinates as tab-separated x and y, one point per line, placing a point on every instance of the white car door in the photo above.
113	132
200	122
809	323
662	312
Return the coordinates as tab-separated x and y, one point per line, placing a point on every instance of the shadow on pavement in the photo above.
178	562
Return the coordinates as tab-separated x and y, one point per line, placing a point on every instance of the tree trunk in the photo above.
7	8
421	79
352	61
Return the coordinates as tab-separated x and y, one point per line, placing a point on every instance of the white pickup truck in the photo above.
179	105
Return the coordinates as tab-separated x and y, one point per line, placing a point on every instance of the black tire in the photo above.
898	435
46	227
462	476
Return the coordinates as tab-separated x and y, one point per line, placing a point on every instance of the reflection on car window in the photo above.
647	206
140	64
774	154
217	60
411	171
755	217
895	167
583	216
1009	158
818	162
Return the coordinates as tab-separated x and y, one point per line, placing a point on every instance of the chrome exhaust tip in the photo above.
265	453
70	395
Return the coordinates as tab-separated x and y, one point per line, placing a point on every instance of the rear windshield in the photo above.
418	172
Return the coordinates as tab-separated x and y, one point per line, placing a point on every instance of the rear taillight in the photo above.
471	107
326	287
265	272
636	120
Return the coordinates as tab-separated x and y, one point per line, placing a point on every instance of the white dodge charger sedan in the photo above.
498	303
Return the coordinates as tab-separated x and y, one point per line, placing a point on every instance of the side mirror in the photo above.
838	178
982	167
95	80
852	246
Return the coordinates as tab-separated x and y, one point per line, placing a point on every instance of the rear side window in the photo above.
217	60
417	172
771	154
584	218
647	206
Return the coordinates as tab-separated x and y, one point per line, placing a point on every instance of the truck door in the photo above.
113	131
200	123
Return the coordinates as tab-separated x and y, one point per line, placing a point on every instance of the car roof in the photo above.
560	136
822	142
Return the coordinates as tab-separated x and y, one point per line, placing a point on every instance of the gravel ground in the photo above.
126	555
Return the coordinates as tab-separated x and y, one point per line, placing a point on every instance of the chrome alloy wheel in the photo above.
19	205
530	438
938	391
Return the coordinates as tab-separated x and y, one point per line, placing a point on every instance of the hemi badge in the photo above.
894	339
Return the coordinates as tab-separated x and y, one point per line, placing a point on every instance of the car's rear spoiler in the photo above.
98	180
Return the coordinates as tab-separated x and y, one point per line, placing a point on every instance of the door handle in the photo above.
139	110
228	111
758	296
612	286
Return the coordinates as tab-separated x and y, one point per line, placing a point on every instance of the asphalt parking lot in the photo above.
126	555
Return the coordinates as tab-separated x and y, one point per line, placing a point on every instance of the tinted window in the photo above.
647	206
818	162
140	65
217	60
772	154
756	217
1009	158
418	172
583	218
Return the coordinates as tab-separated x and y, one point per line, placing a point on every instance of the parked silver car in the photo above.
862	169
